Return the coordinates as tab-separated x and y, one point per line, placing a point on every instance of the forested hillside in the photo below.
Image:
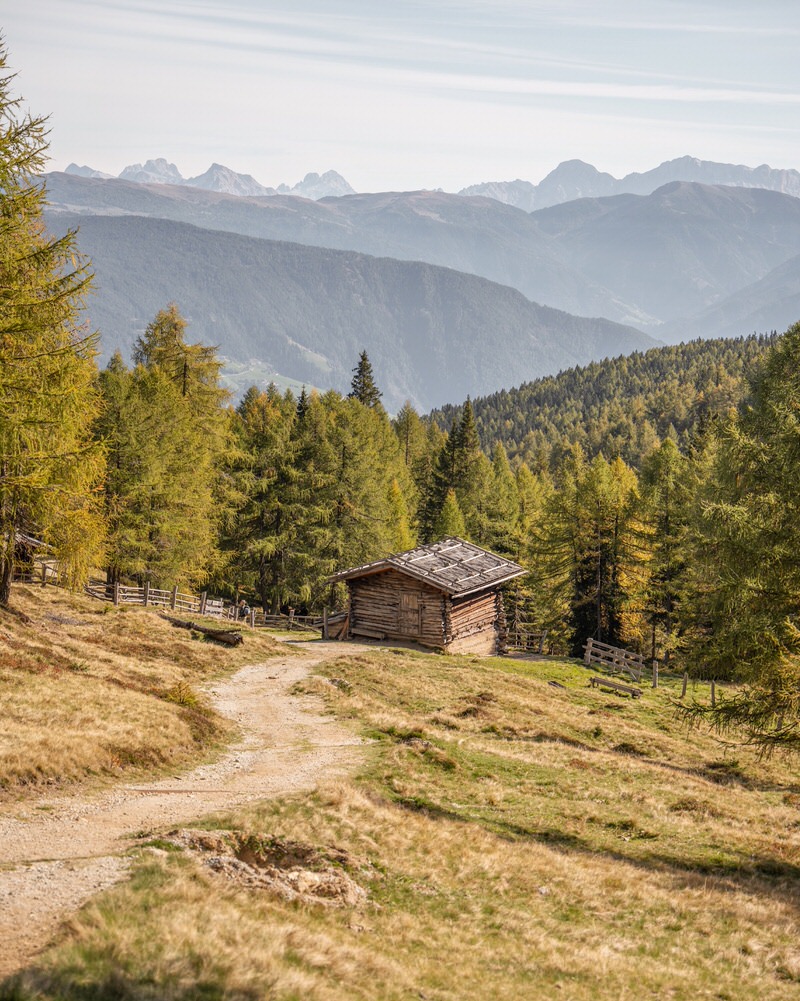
433	334
619	407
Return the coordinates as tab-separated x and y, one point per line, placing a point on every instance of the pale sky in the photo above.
407	94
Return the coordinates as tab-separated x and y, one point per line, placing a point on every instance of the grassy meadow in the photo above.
515	839
91	692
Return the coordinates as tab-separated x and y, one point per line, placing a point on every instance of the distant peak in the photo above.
157	171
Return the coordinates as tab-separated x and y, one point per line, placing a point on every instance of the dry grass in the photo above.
515	841
87	689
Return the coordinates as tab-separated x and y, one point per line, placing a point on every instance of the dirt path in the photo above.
57	852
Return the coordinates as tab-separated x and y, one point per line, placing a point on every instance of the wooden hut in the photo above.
446	595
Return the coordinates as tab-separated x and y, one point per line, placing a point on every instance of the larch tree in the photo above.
666	499
50	466
589	545
450	520
750	552
166	430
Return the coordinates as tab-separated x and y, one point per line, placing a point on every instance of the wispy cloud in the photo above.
417	83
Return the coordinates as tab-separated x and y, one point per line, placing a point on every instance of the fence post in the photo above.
252	618
655	674
146	593
685	683
173	601
713	693
116	592
44	573
325	622
203	600
291	618
587	657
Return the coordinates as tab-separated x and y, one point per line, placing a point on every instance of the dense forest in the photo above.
618	407
653	498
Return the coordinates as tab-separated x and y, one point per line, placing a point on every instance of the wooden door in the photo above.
410	614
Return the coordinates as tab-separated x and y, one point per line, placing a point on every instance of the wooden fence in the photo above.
525	636
614	659
156	597
46	572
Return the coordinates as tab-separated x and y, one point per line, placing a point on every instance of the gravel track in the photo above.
57	852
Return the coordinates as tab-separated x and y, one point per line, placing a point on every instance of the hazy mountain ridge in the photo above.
651	261
222	179
433	334
575	179
475	236
771	303
570	180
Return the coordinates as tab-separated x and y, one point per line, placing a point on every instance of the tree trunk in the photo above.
7	550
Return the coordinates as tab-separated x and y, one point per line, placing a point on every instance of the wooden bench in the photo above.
598	681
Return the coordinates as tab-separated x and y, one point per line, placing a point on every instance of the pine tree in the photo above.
49	464
363	387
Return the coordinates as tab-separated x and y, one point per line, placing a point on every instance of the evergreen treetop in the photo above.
363	387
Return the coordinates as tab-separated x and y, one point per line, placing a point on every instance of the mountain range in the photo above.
222	179
569	180
575	179
657	262
684	261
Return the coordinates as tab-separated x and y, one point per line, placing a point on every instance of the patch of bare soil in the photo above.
57	852
290	869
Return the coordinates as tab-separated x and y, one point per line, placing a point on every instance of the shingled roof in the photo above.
451	565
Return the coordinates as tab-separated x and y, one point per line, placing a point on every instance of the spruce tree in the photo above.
363	387
49	465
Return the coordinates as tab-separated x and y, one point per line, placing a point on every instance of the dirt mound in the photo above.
291	869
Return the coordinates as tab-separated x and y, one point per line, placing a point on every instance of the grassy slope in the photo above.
89	690
517	840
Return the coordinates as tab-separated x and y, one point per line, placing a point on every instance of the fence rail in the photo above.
46	572
613	659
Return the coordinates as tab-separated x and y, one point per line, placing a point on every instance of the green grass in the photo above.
515	839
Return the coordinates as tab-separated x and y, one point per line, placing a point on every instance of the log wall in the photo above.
391	605
473	624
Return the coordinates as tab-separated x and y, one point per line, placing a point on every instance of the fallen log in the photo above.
232	637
